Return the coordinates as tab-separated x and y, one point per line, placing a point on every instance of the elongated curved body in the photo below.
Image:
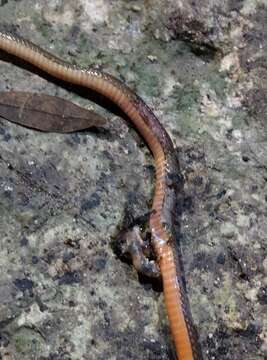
168	181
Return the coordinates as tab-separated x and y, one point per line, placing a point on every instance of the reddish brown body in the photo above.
162	220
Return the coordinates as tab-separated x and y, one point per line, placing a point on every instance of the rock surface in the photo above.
201	65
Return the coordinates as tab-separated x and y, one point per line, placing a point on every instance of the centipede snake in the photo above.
167	186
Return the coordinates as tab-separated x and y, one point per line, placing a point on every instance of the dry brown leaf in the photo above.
46	113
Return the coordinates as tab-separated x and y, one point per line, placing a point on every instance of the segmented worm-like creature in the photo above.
168	179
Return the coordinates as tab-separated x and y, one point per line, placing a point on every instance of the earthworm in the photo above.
168	179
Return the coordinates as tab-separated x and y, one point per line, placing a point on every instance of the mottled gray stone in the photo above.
201	65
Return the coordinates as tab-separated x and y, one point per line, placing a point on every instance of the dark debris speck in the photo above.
91	203
70	277
35	260
262	295
4	339
245	158
220	194
221	259
188	203
24	284
251	331
76	138
68	256
100	264
24	241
